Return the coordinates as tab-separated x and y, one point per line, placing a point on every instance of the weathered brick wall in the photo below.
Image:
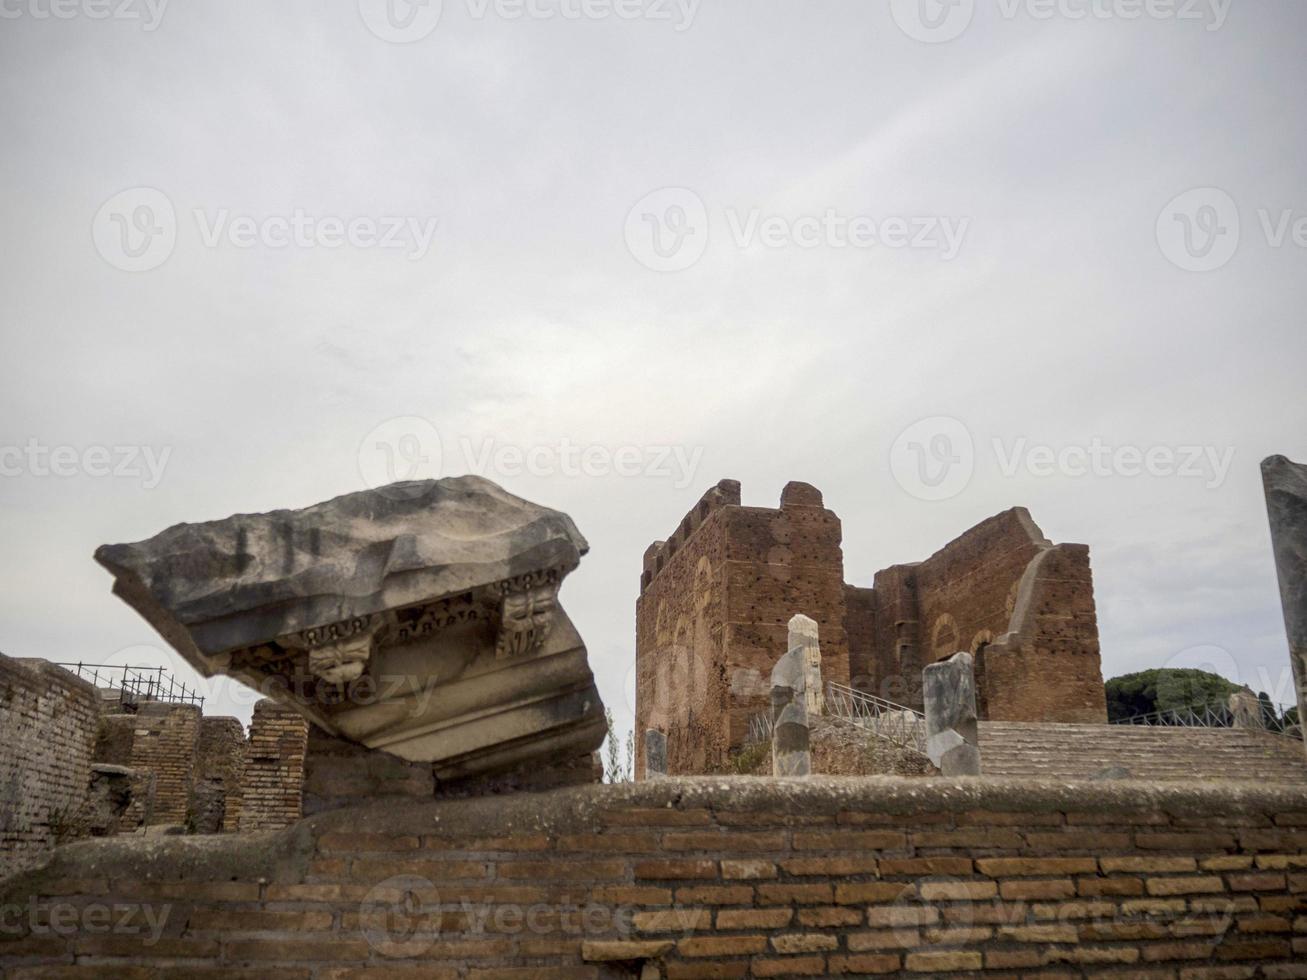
716	597
712	617
219	765
966	589
1048	667
896	663
683	686
1002	591
273	780
164	743
115	745
860	628
702	878
781	562
48	725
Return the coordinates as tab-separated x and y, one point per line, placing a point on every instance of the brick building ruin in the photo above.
84	761
715	598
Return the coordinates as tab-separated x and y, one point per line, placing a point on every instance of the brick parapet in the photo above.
695	877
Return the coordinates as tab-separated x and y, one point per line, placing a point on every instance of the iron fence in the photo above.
1215	714
136	684
896	723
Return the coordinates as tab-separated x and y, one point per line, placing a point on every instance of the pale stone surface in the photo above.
420	618
789	746
655	754
803	633
1246	710
1285	483
952	739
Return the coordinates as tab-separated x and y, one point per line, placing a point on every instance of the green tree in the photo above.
1164	689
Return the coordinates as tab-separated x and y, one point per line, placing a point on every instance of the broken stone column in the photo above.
952	736
1245	710
421	619
790	755
655	754
1285	483
803	634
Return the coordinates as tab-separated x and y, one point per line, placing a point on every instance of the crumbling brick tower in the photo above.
715	601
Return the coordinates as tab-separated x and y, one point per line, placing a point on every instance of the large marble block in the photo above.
803	633
790	752
952	731
420	618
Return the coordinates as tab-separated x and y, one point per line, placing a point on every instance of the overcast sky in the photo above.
935	260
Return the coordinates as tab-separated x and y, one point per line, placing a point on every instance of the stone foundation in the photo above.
686	878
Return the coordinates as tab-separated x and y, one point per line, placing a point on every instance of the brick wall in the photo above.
219	766
1047	667
712	617
704	878
273	781
48	723
716	596
1022	605
164	742
117	736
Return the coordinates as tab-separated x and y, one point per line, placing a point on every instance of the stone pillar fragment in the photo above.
1285	483
1246	710
952	737
789	711
655	754
803	634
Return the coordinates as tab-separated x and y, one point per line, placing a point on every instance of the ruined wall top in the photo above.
726	493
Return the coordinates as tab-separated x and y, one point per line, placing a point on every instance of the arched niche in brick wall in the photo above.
944	637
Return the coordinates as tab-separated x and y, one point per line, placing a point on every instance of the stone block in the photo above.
420	618
803	634
790	751
1285	484
952	739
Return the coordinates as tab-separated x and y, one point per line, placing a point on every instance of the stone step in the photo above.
1028	749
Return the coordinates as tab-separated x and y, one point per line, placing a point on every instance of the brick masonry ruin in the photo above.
716	595
685	878
391	871
48	727
80	763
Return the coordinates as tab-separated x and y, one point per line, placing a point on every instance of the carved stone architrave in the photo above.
421	619
338	652
524	619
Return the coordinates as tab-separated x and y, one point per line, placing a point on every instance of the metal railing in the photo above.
760	728
136	684
1214	714
896	723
